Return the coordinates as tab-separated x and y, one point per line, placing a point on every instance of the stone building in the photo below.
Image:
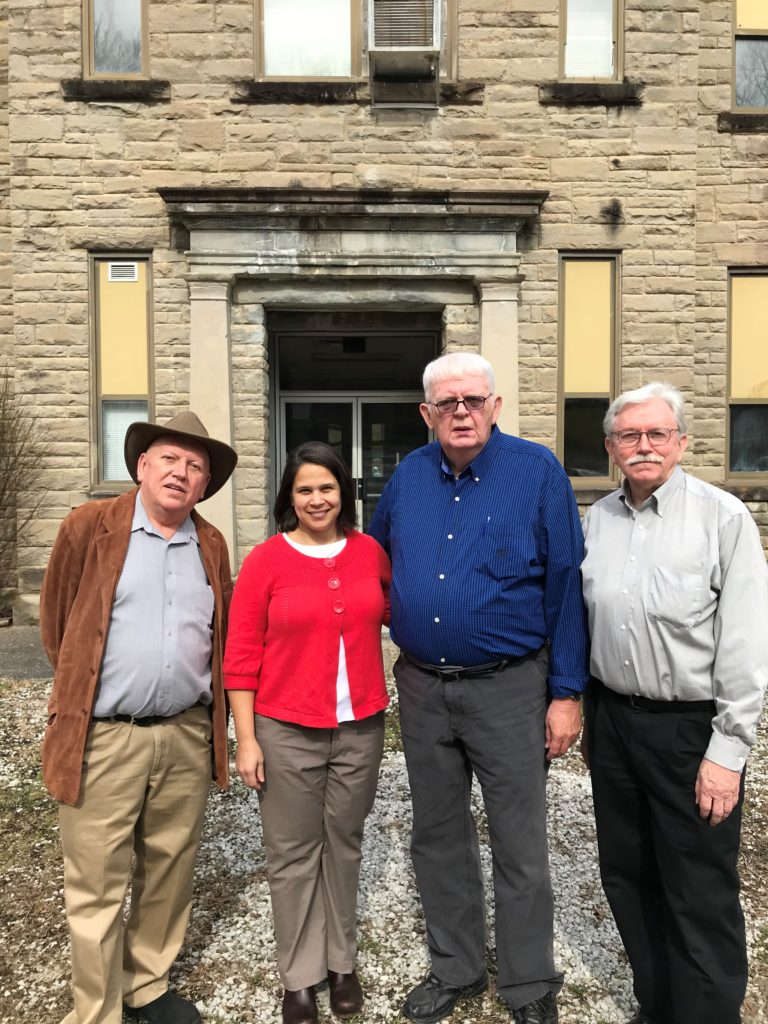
278	210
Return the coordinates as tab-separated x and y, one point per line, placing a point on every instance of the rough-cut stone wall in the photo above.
6	291
731	231
655	181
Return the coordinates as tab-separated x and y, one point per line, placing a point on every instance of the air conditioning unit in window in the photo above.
404	52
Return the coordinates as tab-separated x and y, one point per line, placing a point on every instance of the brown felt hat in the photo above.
188	427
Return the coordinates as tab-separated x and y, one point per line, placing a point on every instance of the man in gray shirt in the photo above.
676	588
133	618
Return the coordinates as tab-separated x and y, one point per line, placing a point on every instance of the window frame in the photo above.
618	46
89	56
611	478
358	42
742	33
99	483
735	477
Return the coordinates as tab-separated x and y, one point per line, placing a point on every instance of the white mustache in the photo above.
644	458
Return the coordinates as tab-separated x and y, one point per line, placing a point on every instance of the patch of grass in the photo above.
28	820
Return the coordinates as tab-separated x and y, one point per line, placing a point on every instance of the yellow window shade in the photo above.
751	14
749	336
122	333
587	326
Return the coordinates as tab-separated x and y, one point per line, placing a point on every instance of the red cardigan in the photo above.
288	612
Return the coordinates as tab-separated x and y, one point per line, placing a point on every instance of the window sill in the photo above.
736	123
746	490
589	493
352	92
120	90
628	93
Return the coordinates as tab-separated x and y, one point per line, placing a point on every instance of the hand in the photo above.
717	791
249	762
562	726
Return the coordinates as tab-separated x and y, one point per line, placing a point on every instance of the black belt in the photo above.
144	720
656	706
451	672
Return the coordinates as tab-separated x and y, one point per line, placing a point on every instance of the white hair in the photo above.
656	389
456	364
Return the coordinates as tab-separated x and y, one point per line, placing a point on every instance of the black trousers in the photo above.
490	727
670	877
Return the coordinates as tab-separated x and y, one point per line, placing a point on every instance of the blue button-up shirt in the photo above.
486	566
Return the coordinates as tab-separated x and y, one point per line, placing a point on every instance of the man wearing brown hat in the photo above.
133	618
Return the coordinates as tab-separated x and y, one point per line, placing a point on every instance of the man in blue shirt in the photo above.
485	541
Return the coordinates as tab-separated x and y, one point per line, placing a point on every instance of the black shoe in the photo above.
540	1011
346	994
166	1009
299	1007
434	999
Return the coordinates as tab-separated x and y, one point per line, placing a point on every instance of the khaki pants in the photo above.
144	791
320	786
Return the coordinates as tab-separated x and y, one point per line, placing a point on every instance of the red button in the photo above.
334	583
338	607
329	563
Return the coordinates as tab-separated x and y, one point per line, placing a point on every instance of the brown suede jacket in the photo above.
75	610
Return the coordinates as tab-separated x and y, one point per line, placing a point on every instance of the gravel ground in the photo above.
228	963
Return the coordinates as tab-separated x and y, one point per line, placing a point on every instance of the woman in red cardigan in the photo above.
305	680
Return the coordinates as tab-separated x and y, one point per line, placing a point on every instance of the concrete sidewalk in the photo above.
22	655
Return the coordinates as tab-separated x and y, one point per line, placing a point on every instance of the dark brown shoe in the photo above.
299	1007
346	994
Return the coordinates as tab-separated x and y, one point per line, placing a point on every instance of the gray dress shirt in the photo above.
677	596
157	659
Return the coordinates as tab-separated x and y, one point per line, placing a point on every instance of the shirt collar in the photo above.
183	535
660	497
481	461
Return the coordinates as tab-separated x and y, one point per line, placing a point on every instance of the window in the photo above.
306	39
122	363
588	362
750	49
590	34
116	39
748	372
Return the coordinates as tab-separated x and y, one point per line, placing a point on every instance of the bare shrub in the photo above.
24	443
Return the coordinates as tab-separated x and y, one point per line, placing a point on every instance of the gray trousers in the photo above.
320	787
492	727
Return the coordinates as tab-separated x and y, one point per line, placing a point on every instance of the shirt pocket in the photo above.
676	596
507	554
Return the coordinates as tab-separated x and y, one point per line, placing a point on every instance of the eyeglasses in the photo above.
656	436
448	406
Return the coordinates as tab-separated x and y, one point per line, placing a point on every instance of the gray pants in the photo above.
492	727
320	787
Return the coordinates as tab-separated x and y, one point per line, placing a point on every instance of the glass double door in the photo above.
371	432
